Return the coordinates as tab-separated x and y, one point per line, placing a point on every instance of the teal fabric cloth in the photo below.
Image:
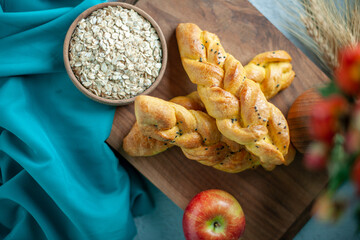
58	178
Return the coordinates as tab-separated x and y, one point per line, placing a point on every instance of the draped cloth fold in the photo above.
58	178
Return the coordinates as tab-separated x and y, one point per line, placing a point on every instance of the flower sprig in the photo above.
335	127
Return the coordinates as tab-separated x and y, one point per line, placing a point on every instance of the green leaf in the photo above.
339	164
329	89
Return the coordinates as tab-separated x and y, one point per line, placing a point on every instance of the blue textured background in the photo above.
164	222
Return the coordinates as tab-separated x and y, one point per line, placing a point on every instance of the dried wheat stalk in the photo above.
328	25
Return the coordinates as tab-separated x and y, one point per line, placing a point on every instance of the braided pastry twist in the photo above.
272	70
240	108
137	144
195	132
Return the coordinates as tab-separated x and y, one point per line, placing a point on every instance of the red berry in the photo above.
316	156
348	72
324	119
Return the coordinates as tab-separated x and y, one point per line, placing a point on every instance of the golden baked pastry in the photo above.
271	63
137	144
195	132
240	108
190	102
272	70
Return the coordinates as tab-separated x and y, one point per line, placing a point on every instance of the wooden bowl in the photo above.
77	82
299	119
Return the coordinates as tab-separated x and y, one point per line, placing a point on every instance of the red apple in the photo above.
213	215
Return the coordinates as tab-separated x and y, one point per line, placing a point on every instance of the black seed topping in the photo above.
195	129
149	137
257	146
222	147
284	127
224	57
219	63
180	121
215	52
273	52
264	138
259	117
278	85
217	43
284	146
200	60
221	163
279	132
264	120
206	148
211	50
165	144
255	140
205	41
258	64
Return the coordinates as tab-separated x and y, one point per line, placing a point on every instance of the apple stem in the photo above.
216	225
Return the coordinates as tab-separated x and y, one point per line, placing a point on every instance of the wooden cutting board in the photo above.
277	203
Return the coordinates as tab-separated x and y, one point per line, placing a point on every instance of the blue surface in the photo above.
58	178
165	221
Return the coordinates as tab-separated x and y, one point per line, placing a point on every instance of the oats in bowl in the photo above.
115	53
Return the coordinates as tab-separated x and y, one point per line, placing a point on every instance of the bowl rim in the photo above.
77	83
